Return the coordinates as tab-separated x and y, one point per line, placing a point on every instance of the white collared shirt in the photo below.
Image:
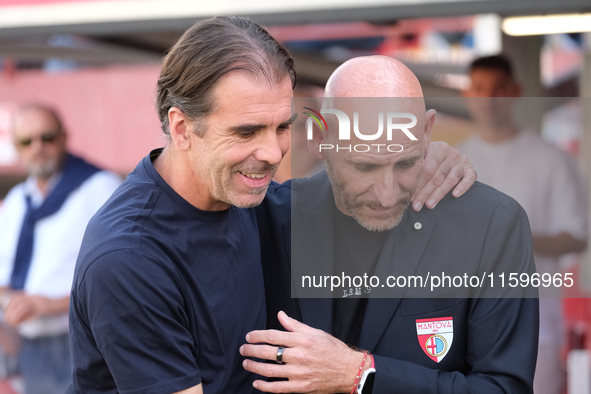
31	188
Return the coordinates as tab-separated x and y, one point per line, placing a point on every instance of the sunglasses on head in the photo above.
45	138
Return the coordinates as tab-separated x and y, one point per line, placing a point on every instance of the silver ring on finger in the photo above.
279	357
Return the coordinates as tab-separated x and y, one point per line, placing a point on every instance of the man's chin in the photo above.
379	221
378	224
42	171
253	198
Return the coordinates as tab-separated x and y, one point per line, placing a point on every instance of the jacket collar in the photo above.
313	240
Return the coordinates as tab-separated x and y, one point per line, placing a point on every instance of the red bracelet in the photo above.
359	372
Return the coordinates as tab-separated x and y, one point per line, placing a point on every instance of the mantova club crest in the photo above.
435	336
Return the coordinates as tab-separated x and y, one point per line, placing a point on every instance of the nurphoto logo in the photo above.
392	120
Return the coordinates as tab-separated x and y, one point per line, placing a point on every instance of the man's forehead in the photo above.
374	104
33	119
375	126
489	75
262	114
245	96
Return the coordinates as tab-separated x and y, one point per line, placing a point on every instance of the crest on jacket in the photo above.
435	336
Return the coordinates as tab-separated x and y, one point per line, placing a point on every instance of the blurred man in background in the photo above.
43	221
543	179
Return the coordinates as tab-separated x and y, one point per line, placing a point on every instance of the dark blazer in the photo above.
495	340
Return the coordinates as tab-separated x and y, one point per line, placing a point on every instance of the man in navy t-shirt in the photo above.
169	279
165	292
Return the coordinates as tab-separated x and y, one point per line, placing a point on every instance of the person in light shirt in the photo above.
543	179
43	221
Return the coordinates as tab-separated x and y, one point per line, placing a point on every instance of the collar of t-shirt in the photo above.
179	201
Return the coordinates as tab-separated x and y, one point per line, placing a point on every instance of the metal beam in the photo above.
177	15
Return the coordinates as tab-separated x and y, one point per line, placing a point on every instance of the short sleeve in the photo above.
131	316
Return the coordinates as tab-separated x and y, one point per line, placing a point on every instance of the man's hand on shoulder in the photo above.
315	362
445	167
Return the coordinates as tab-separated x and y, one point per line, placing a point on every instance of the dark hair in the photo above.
205	53
496	62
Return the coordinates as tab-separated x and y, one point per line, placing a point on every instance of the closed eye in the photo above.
286	126
407	163
246	131
365	167
246	134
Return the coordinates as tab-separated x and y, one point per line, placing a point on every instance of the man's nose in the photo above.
386	189
272	146
36	145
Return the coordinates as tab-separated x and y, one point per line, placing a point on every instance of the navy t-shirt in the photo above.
164	293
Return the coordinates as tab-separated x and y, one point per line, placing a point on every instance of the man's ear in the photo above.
318	137
429	122
180	128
